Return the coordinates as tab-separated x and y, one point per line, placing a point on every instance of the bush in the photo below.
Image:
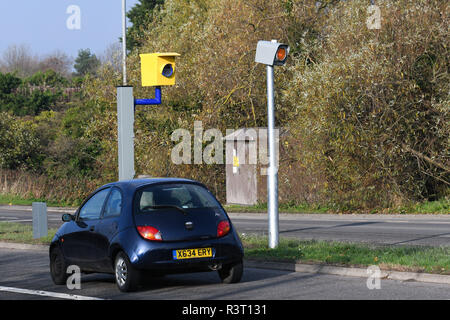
19	144
30	96
8	83
48	78
374	109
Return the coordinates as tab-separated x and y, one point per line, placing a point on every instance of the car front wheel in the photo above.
58	266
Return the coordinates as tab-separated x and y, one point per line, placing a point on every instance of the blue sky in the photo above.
42	25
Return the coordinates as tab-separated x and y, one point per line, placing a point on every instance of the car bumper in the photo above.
158	256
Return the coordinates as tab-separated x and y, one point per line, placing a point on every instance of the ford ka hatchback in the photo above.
148	227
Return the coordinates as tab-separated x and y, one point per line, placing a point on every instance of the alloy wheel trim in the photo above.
121	272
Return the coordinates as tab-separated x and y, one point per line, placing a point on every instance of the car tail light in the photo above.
150	233
223	228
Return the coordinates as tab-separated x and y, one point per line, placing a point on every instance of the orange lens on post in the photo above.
281	54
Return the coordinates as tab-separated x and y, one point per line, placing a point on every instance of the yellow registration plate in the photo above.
192	253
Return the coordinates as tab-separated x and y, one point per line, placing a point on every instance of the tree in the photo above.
18	59
112	56
16	96
140	16
86	63
20	146
57	61
8	83
48	78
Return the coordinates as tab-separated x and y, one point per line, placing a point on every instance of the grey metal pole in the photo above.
125	125
272	177
124	41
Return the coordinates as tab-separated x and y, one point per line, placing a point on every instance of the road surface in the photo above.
23	269
428	230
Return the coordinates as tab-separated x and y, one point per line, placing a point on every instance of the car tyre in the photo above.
127	277
58	266
231	273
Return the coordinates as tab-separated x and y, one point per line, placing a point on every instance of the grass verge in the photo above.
439	206
22	233
7	199
285	208
400	258
428	207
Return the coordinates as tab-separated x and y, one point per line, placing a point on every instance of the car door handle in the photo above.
91	228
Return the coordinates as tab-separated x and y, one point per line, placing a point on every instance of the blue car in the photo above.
150	227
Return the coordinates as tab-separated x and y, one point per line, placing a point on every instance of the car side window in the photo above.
93	207
114	204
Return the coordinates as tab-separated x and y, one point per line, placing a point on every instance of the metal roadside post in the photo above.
272	177
125	112
125	125
124	42
272	53
40	228
157	69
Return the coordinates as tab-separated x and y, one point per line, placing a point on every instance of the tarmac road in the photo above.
428	230
26	269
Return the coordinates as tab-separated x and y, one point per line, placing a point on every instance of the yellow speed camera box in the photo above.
158	69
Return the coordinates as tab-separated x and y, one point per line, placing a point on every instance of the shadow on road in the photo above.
421	238
175	281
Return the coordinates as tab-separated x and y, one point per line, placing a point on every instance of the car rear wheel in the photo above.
231	273
58	267
127	277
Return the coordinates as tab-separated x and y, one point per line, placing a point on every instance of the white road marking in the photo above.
47	294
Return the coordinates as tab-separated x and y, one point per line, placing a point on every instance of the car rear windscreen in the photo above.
183	195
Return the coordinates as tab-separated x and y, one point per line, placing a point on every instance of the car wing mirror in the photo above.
67	217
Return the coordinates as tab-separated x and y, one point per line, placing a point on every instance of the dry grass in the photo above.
27	185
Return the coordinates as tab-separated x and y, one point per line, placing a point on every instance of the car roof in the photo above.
137	183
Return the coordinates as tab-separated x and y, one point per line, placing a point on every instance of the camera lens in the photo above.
167	70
